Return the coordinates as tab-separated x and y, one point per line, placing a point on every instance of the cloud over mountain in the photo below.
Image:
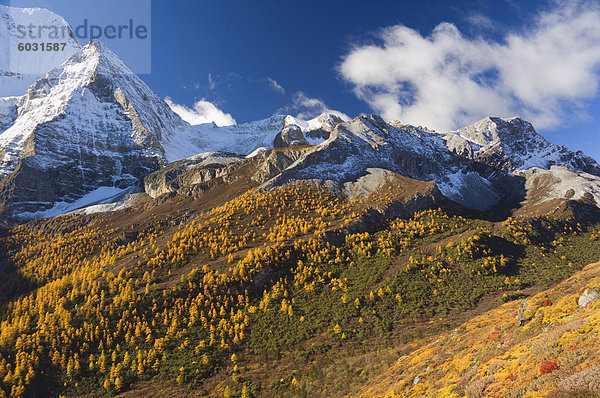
544	72
305	107
203	112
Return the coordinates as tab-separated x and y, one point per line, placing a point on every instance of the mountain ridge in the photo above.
92	123
348	149
514	144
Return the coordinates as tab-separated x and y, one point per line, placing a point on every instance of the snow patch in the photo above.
569	184
123	202
101	195
468	189
257	151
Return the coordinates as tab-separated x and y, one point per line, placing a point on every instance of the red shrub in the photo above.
548	367
574	346
547	303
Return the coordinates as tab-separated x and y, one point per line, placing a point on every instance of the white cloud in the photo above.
446	80
481	21
307	108
203	112
274	85
211	82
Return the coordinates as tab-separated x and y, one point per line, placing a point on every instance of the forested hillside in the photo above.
286	292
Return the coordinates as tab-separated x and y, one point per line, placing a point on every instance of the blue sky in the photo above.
439	64
298	44
230	53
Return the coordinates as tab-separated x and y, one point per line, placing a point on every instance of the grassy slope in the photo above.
266	295
554	353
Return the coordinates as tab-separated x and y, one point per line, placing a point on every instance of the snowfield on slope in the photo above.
21	69
99	196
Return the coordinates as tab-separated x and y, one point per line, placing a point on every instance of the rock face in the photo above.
478	167
290	135
187	173
90	122
513	144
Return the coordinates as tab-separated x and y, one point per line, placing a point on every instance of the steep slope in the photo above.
543	346
19	70
90	122
277	293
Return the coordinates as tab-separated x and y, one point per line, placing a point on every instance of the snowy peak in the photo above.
252	137
90	122
326	121
307	132
101	60
513	144
19	70
492	131
92	92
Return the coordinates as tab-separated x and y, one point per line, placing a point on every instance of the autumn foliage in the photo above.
286	276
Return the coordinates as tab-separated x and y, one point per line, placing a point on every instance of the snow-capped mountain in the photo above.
92	123
513	144
18	69
478	167
89	122
91	130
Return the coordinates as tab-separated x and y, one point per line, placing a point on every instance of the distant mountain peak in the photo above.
513	144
